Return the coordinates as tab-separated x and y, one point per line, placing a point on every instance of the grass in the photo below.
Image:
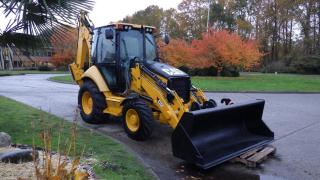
249	82
23	72
257	82
17	119
63	79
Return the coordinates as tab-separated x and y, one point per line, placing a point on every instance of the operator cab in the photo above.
115	46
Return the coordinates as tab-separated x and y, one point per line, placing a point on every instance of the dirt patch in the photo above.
14	171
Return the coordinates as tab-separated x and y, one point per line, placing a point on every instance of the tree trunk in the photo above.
274	49
257	27
290	35
318	44
314	43
286	36
306	29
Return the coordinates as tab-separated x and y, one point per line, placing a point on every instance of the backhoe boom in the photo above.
85	32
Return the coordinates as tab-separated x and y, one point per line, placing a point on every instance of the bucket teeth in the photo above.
212	136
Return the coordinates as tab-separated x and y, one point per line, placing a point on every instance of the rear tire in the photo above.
137	119
92	103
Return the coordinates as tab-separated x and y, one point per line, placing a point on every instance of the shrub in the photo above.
62	68
44	68
230	72
278	66
185	69
307	65
209	71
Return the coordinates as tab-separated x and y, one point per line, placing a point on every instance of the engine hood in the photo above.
165	70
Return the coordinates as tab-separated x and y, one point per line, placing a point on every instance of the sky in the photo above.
106	11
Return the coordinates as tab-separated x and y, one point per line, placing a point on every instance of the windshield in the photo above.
131	45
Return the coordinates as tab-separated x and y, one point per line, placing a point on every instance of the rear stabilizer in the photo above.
212	136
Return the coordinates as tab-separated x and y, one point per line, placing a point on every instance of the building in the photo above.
12	58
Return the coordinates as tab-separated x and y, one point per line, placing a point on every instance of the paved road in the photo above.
295	119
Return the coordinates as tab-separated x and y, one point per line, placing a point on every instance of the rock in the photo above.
5	139
17	156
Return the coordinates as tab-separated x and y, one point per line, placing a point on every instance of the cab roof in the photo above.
119	25
137	26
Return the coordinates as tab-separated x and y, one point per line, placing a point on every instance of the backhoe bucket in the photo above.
212	136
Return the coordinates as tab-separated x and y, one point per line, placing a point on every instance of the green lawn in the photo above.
257	82
63	79
11	73
250	82
16	119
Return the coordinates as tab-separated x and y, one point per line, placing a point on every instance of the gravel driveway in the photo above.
295	119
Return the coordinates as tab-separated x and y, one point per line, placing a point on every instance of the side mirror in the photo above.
166	39
109	34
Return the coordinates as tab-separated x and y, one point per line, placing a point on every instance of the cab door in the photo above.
130	47
104	56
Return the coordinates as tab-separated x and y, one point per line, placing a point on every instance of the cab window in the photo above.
94	46
107	49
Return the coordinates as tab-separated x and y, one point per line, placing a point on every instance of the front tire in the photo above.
91	103
137	119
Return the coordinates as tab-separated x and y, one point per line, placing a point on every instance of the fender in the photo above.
94	74
130	97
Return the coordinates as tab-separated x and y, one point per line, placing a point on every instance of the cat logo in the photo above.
173	71
160	103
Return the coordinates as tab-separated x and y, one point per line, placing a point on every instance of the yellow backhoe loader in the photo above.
120	74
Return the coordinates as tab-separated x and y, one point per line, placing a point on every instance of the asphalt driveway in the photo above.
295	119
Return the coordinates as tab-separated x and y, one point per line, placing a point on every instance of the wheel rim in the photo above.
132	120
87	103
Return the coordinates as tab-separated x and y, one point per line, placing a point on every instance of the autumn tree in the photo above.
217	49
64	48
177	53
221	48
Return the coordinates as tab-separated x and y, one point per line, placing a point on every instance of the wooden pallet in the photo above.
252	158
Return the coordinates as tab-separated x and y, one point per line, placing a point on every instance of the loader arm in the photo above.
83	58
171	112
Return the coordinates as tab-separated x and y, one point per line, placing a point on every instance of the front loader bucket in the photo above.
211	136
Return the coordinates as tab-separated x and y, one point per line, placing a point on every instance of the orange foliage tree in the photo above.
64	48
176	53
216	49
